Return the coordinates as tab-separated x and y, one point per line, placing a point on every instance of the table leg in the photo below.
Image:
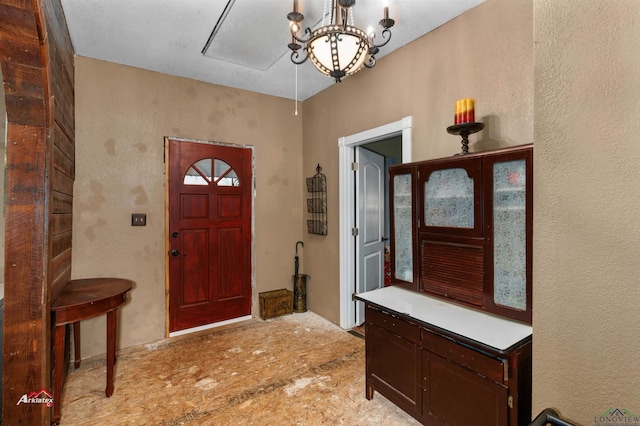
76	344
111	350
115	334
59	361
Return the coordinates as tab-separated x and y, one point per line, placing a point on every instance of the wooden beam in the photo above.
36	56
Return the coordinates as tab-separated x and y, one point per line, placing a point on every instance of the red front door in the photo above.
209	250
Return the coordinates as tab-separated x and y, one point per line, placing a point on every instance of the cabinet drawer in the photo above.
394	324
492	368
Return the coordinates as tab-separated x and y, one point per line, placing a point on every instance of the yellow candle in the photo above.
470	114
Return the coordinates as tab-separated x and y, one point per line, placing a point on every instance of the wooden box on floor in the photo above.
275	303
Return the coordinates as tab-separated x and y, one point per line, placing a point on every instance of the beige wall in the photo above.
122	117
587	199
485	54
124	113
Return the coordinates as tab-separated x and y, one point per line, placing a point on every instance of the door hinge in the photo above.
510	401
354	166
354	232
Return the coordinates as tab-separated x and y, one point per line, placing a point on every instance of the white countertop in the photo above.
499	333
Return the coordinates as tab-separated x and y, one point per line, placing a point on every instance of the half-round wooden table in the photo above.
80	300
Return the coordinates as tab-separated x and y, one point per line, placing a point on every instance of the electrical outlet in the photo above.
138	219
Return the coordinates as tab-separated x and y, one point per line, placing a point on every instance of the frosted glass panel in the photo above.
224	175
204	166
403	225
200	173
192	177
448	199
509	234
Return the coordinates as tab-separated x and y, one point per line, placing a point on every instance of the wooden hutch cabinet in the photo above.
461	229
450	340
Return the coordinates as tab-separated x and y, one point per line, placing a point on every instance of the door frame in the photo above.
166	228
347	204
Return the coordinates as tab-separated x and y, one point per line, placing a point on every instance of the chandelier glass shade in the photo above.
338	49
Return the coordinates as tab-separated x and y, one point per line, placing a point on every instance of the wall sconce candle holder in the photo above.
464	130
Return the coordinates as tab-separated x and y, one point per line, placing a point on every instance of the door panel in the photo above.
372	263
230	207
209	253
195	267
393	368
370	247
456	396
194	206
230	287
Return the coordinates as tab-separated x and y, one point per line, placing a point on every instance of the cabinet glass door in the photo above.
448	199
403	227
509	234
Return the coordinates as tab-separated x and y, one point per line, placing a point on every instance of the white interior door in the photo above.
370	178
347	196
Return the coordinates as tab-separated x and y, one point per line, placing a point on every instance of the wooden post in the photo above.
37	70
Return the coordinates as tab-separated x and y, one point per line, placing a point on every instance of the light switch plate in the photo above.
139	219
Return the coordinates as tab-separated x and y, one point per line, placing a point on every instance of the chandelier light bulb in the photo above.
370	32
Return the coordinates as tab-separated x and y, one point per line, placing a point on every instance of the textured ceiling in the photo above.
249	48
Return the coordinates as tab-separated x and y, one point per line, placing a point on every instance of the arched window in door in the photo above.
202	173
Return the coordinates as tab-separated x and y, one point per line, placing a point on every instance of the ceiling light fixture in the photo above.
340	48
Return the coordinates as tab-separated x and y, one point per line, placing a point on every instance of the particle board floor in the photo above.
294	370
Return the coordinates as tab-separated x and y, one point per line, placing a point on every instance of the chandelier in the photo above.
340	48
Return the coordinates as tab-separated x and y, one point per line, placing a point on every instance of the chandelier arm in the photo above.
385	33
371	62
307	31
295	55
